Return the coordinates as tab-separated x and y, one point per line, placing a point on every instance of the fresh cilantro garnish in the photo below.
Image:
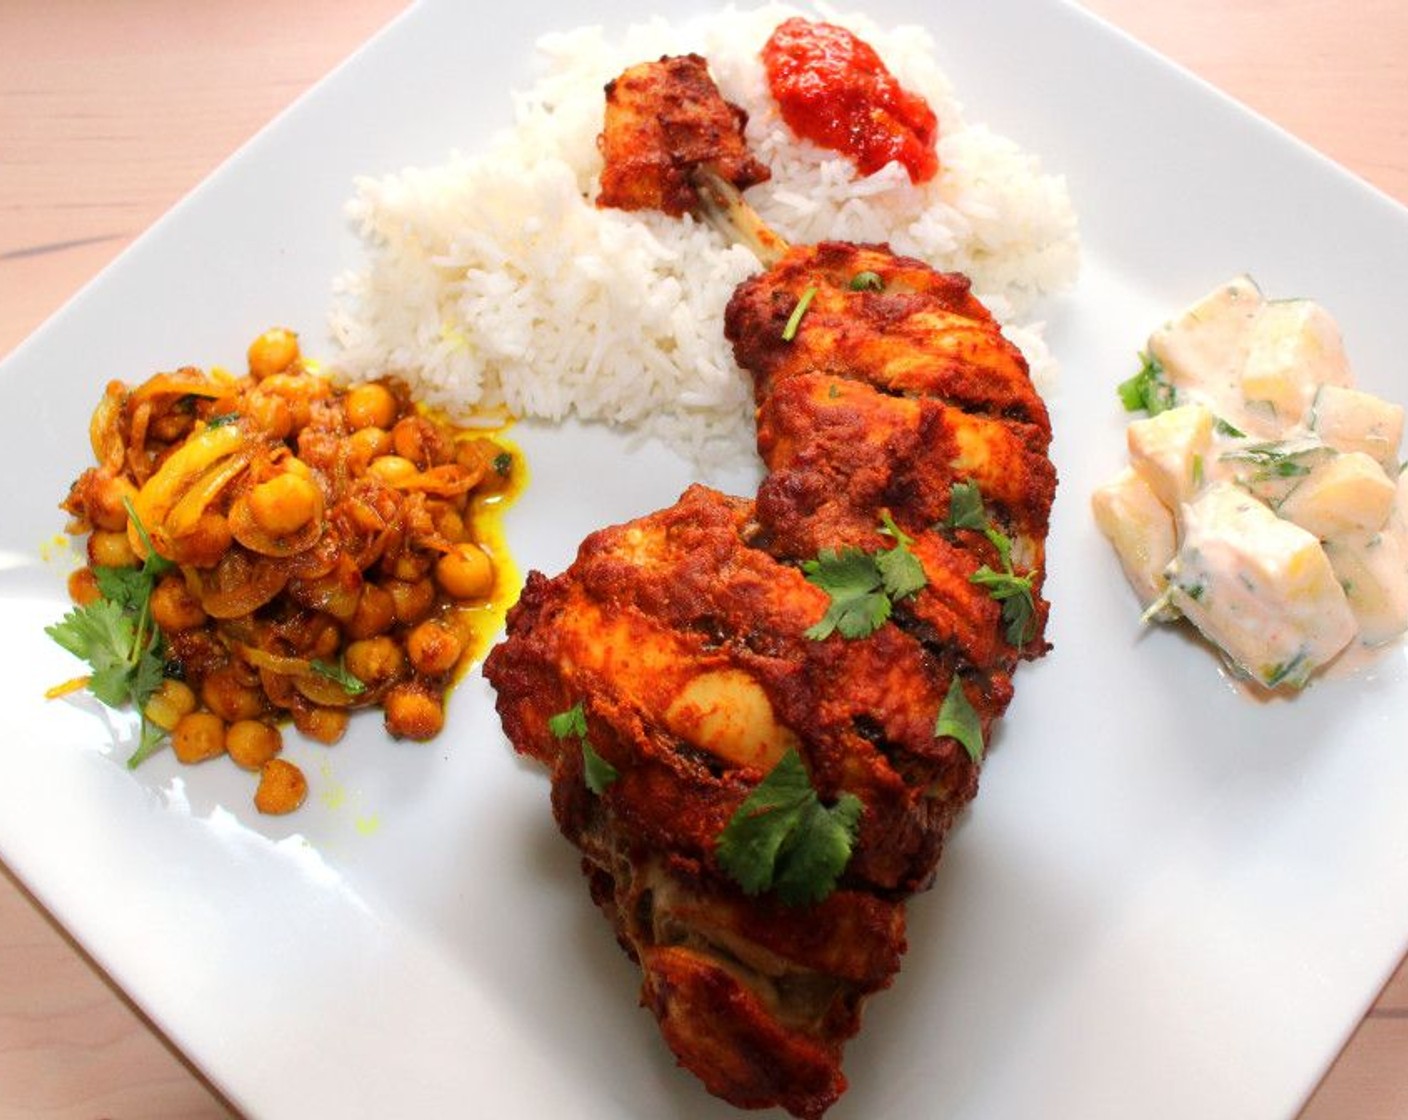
1224	428
1275	460
1013	591
864	586
789	332
1148	390
1293	673
598	772
965	507
859	605
958	720
339	674
116	636
503	463
900	570
783	838
573	724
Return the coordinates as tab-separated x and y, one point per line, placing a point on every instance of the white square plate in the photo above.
1168	901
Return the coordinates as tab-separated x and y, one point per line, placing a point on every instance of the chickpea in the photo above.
449	523
374	661
375	614
271	413
407	566
294	465
272	352
205	544
105	506
279	688
337	593
392	469
434	648
83	586
252	743
366	444
173	606
413	712
465	572
198	736
372	405
298	391
109	548
421	441
413	600
285	504
171	427
230	697
282	787
170	703
326	638
322	725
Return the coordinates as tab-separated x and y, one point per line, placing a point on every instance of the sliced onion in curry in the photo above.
239	584
256	538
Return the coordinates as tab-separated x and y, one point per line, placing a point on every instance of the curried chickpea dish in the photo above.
273	548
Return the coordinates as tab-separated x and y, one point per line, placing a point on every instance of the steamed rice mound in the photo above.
494	281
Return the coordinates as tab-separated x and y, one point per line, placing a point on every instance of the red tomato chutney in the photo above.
833	89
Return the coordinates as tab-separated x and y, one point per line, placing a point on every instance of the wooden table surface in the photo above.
111	110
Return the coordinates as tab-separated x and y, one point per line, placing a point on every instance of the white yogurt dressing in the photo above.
1264	501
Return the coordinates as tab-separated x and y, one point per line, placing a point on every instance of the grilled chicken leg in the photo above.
686	644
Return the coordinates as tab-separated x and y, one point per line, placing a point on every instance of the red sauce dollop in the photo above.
833	89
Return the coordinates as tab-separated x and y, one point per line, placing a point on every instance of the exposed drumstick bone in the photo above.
723	207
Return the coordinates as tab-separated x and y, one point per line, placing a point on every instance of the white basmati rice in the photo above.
493	280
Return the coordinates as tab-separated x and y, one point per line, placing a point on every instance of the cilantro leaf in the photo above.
155	564
1014	592
110	683
853	580
339	674
571	722
127	587
965	507
1149	390
100	633
864	586
599	773
958	720
901	573
1286	459
1003	543
116	636
151	739
146	676
783	838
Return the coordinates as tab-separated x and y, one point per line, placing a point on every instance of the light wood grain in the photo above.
110	112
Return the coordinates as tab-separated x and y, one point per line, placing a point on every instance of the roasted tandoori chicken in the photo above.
664	121
693	650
